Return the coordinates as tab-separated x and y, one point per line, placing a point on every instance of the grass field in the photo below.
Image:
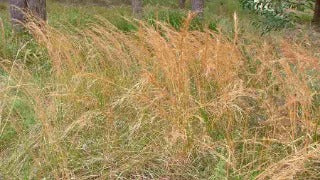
95	94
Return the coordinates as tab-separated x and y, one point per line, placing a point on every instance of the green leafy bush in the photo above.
277	14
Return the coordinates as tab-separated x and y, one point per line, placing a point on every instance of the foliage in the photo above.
278	13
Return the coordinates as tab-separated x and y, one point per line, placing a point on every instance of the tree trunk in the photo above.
316	16
182	4
198	7
18	8
38	8
137	8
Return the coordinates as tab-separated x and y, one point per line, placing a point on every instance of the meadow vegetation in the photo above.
95	94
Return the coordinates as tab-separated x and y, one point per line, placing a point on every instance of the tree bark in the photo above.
182	4
137	8
316	16
18	8
198	7
38	8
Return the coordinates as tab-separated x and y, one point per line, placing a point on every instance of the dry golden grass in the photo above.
162	104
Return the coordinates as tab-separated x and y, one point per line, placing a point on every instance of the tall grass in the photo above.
159	103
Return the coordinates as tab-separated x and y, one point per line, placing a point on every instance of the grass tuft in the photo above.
157	99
